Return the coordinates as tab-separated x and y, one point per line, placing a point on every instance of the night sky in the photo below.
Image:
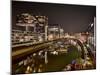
73	18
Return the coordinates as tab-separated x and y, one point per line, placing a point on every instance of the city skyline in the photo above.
73	18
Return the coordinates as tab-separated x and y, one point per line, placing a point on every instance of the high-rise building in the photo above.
37	23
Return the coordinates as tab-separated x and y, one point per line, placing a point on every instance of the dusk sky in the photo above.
73	18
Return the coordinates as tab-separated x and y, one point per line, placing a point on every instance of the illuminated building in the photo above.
38	25
55	31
